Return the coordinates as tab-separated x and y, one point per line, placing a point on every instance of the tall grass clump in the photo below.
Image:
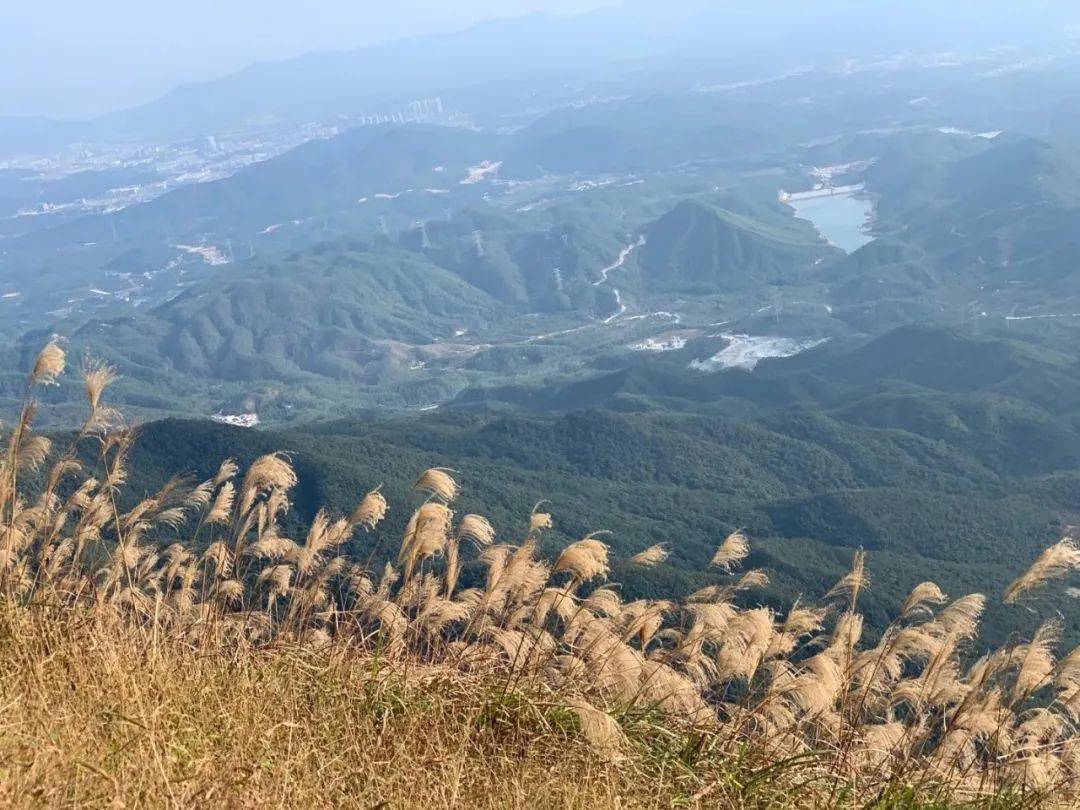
241	665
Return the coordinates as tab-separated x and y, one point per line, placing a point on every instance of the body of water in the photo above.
842	218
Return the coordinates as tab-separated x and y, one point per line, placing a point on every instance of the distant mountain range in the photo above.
495	68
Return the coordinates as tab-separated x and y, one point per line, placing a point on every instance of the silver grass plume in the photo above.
1054	563
731	552
48	366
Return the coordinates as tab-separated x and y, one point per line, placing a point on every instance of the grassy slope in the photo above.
102	714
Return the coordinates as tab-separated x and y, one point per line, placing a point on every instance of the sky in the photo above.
69	58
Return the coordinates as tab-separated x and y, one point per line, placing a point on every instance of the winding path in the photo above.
624	254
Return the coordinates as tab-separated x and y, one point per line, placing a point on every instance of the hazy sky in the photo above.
80	57
74	57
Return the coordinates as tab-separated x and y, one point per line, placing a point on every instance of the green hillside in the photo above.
807	489
336	315
545	264
698	247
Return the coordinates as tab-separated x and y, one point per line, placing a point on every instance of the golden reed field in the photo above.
242	667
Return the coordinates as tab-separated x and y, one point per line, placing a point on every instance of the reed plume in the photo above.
1054	563
584	560
48	366
438	483
653	555
732	551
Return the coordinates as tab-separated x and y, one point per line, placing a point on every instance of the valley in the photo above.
782	303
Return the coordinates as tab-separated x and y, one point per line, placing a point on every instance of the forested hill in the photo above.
808	488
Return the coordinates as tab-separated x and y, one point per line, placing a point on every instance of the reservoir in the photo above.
842	219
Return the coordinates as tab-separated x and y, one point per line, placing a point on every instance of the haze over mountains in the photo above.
541	216
702	41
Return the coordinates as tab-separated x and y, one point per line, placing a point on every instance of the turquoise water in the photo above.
841	218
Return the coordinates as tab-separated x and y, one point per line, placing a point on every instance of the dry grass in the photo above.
241	666
103	715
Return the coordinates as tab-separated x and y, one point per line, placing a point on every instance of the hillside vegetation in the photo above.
403	267
698	247
484	649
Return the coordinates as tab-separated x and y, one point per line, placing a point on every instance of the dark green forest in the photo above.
806	488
